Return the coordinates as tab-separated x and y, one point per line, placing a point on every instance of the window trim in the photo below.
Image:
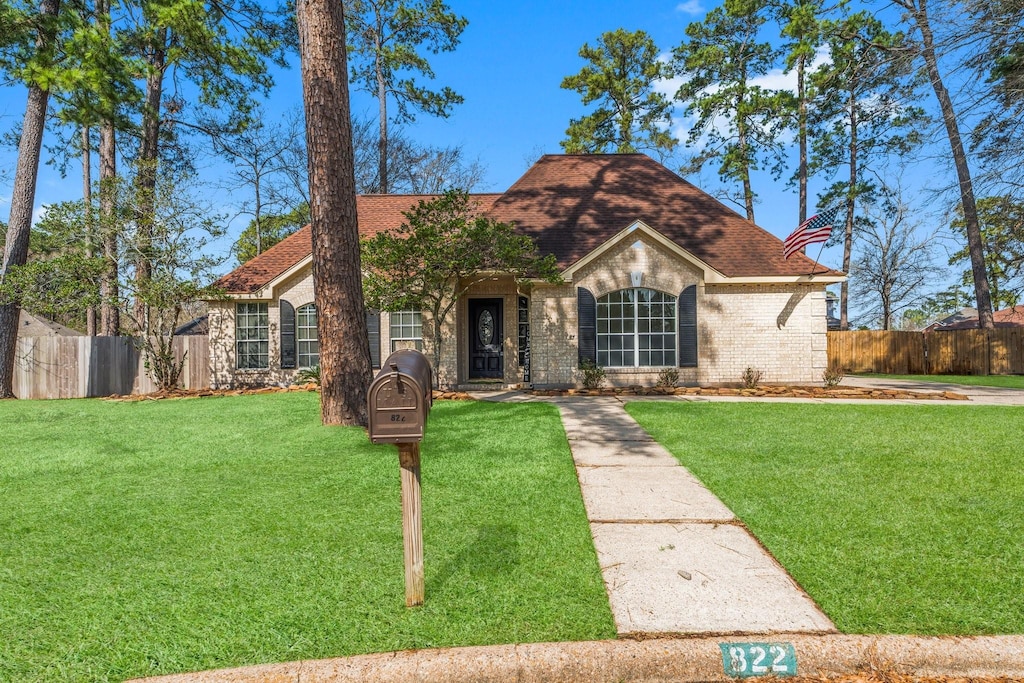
261	310
415	323
636	334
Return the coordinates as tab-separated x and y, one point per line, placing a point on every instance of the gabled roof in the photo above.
377	213
571	205
30	325
1008	317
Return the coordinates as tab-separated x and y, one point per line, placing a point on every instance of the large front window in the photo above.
252	336
636	328
406	330
305	336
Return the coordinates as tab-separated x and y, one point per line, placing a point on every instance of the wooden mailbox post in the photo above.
399	401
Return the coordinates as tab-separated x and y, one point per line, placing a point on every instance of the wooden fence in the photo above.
79	367
953	352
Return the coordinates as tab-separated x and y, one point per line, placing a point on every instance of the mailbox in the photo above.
400	398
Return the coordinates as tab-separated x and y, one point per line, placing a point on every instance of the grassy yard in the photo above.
896	519
157	537
1006	381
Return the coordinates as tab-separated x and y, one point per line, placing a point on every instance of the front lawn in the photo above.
158	537
895	519
1006	381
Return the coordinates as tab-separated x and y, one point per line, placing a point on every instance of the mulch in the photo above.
177	394
769	391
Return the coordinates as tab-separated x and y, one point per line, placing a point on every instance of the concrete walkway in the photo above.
674	558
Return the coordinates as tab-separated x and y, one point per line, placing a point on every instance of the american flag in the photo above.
817	228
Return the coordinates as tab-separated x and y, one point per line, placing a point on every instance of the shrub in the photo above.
307	375
832	375
591	375
668	378
751	377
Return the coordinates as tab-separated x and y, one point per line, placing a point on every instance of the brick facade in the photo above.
778	328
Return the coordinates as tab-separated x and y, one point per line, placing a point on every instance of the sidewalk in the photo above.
675	559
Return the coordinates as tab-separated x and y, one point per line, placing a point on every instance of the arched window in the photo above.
636	328
305	335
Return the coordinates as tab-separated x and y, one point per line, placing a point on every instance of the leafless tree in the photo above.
894	264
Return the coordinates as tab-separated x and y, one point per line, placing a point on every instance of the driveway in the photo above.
978	395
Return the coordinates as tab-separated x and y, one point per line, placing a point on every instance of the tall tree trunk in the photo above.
23	197
110	312
801	93
90	228
851	198
741	133
149	153
337	277
963	173
382	110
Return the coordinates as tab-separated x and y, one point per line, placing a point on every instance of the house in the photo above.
961	315
31	325
1008	317
656	274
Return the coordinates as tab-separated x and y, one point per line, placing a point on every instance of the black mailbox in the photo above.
400	398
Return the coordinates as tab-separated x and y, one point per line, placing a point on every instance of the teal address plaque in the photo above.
745	660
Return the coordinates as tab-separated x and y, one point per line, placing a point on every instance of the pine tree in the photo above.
631	115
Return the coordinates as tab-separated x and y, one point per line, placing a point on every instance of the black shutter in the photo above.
687	311
586	316
373	333
287	335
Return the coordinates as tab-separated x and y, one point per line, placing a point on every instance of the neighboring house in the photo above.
832	320
959	316
1008	317
656	274
30	325
196	326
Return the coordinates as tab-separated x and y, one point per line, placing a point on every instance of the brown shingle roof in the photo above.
377	212
1008	317
572	204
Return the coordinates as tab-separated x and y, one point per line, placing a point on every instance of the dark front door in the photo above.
486	339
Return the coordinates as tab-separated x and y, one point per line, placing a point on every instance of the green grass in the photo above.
895	519
157	537
1007	381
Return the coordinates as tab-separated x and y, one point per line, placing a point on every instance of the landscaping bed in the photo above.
253	391
768	390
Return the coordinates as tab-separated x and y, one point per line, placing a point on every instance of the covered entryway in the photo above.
486	339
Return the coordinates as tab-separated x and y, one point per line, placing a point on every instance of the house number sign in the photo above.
746	660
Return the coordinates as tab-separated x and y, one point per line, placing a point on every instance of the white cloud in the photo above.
668	86
39	213
691	7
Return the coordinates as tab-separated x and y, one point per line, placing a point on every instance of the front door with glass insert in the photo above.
486	359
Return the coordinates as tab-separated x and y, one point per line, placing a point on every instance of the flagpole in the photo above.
816	264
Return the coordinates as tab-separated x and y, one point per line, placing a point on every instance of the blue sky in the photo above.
508	67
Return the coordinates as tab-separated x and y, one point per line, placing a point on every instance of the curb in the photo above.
660	660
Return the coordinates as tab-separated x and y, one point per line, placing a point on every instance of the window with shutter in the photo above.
373	333
288	347
688	327
586	317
